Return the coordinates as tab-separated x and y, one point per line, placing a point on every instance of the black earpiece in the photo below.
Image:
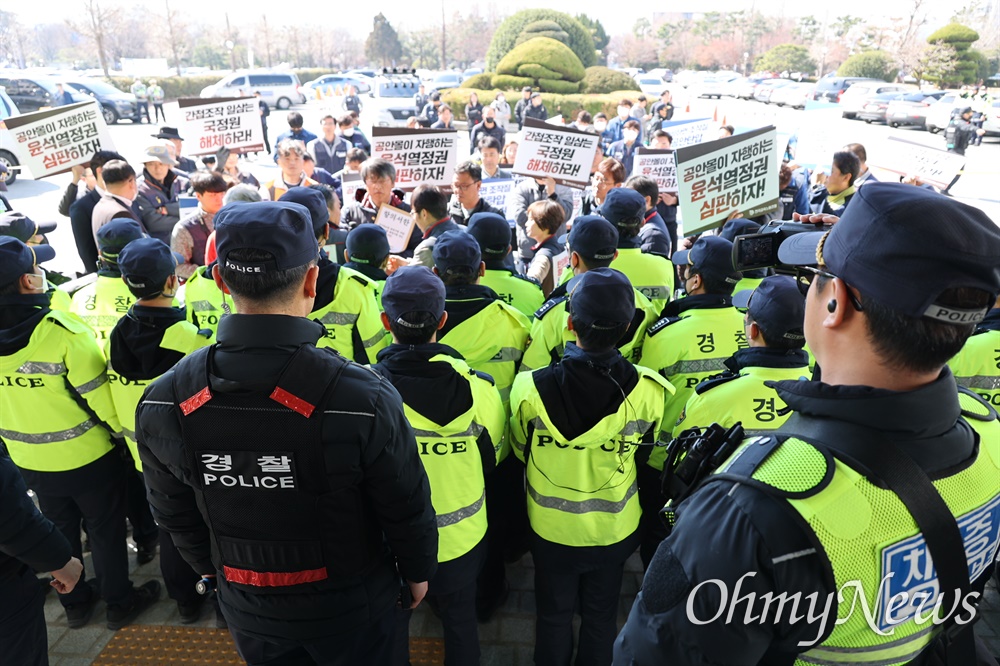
832	305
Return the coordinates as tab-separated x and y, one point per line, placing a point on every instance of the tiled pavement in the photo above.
507	639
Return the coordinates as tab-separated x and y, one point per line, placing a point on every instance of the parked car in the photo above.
794	95
740	87
875	106
8	156
939	115
912	108
716	85
279	89
764	90
831	88
33	93
362	74
115	104
651	84
992	122
854	98
445	80
334	81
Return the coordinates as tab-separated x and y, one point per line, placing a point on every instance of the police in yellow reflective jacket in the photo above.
346	303
650	274
57	420
977	366
592	243
881	485
145	343
103	302
367	253
577	425
773	324
459	423
30	232
205	303
493	233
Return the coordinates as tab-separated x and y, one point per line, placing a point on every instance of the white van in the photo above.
278	89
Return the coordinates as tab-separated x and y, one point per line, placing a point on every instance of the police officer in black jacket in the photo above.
284	472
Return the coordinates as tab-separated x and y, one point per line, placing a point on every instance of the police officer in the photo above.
577	426
144	344
459	423
592	244
741	226
366	252
283	471
687	345
29	542
30	232
206	303
651	275
773	324
977	366
492	231
58	420
957	137
346	304
885	419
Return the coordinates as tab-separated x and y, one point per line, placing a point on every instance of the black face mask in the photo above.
488	121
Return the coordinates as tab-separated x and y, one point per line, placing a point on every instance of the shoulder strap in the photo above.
301	387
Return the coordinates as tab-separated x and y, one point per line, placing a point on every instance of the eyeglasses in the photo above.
804	276
462	188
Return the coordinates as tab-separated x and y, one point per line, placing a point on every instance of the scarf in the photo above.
838	199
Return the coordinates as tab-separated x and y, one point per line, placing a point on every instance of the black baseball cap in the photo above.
710	255
526	89
146	264
592	237
115	235
21	227
315	203
739	226
412	289
16	258
624	207
280	227
902	246
602	297
777	306
535	94
456	249
367	244
167	133
492	231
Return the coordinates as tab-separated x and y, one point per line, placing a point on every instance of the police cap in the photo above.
739	226
16	258
282	228
624	207
456	250
412	289
777	306
115	235
493	233
601	298
367	244
315	203
146	264
592	237
21	227
710	255
902	246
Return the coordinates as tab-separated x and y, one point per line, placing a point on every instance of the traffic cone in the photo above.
715	115
687	109
724	120
319	95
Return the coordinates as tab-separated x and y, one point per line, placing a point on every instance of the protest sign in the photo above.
398	225
658	165
737	173
564	153
54	141
690	132
421	157
350	183
217	122
496	191
908	158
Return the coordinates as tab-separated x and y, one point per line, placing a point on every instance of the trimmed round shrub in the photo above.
482	81
549	29
558	86
601	80
508	82
870	64
554	56
505	38
536	71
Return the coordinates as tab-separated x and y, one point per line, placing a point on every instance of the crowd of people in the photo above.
327	433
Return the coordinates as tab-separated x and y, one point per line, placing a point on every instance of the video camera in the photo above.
760	250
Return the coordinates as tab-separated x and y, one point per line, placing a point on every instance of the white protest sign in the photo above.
350	183
577	205
737	173
658	165
564	153
556	120
906	158
421	157
217	122
54	141
496	191
398	225
690	132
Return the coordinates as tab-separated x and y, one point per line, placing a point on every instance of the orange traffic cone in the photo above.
319	95
724	120
715	115
687	109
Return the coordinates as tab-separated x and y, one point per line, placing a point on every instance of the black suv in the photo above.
115	104
830	89
31	93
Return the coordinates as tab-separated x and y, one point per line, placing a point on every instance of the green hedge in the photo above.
566	105
191	86
482	81
507	82
505	37
559	87
547	52
536	71
600	80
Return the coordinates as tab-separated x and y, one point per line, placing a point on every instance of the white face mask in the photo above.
39	281
623	111
349	132
630	135
600	126
500	98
